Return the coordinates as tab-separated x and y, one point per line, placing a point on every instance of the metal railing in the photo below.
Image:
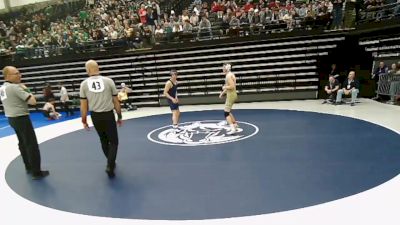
389	85
380	13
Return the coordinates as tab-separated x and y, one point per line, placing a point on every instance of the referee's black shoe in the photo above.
40	175
110	172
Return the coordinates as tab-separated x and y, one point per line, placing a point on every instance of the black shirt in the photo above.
333	85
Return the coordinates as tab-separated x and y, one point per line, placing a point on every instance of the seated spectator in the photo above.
234	26
49	110
331	89
47	92
205	28
350	87
159	33
249	5
187	27
185	15
187	30
64	100
123	96
194	19
302	11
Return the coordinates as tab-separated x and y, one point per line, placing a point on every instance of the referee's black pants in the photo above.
106	128
28	145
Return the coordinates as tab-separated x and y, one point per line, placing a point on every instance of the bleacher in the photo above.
265	70
383	46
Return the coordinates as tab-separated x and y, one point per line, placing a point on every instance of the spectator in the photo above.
302	12
234	27
159	34
49	110
249	5
187	27
48	93
337	14
205	27
331	89
334	72
194	19
64	100
185	15
351	87
157	10
142	14
381	70
349	14
151	20
123	96
394	89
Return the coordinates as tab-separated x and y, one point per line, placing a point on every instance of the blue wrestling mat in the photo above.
280	160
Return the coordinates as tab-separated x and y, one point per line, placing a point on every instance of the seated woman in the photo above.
123	96
49	110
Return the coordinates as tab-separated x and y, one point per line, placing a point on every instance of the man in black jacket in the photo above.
350	87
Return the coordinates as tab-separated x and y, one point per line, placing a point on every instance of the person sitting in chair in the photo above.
331	89
49	110
123	96
350	87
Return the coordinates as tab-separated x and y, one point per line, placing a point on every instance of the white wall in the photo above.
2	6
14	3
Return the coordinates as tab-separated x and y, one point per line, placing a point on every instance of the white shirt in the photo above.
159	31
48	107
64	94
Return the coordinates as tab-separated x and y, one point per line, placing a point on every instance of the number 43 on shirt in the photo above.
96	85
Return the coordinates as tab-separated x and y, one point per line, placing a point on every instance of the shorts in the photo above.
231	97
173	106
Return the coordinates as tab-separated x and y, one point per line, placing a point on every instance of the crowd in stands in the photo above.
81	25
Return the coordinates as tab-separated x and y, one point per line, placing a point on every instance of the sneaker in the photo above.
325	101
390	102
352	104
231	132
222	123
40	175
338	103
176	130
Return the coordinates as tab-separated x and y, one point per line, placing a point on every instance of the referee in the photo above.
16	97
99	95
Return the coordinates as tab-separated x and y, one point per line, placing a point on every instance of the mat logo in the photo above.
197	133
